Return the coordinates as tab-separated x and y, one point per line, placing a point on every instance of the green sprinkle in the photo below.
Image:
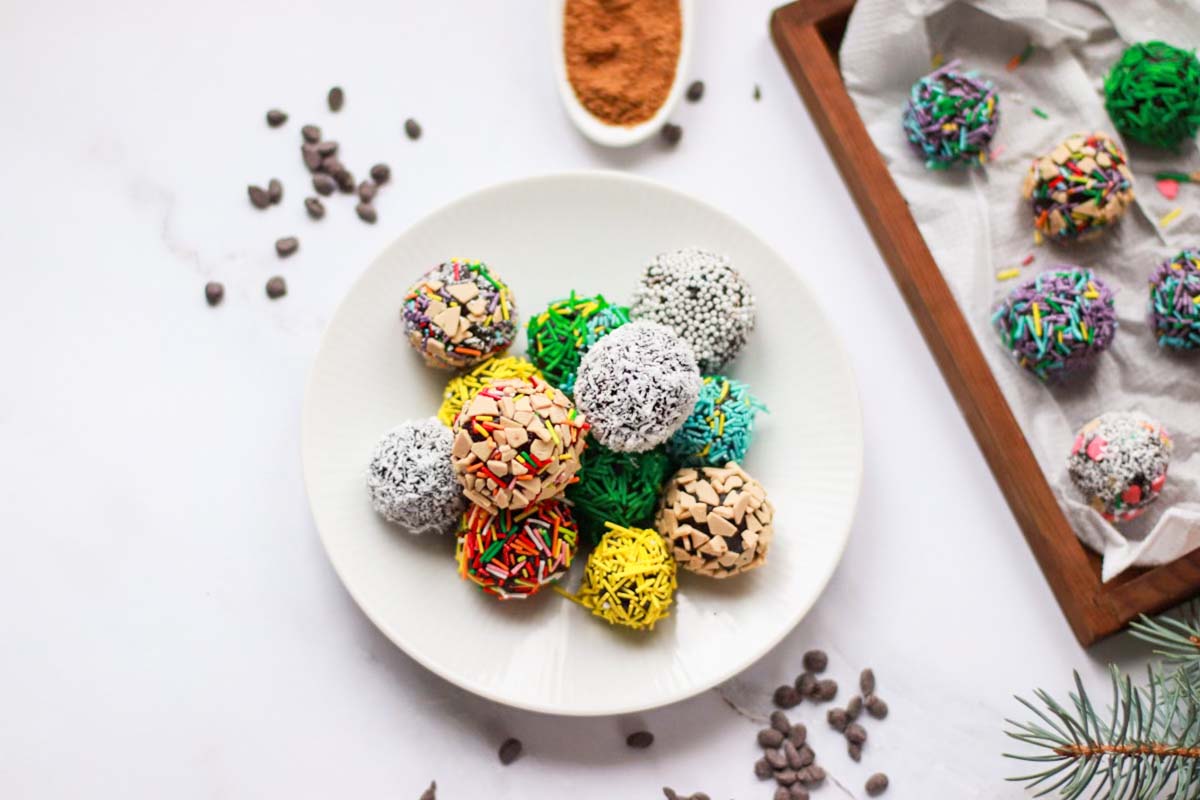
1037	111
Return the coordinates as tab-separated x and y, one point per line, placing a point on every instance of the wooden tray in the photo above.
808	34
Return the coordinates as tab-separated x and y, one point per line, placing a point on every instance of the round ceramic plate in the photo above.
591	232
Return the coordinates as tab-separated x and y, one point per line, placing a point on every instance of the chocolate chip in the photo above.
332	165
811	775
797	792
380	173
866	681
640	740
798	734
286	246
786	696
366	212
276	288
324	184
806	684
695	91
669	793
763	770
510	751
366	191
275	190
807	756
854	750
877	784
854	707
311	134
671	133
213	292
327	148
779	722
792	755
816	661
337	98
876	707
431	792
699	796
757	92
275	117
312	159
785	777
838	719
769	737
258	196
412	129
345	180
782	793
314	207
855	733
776	759
826	690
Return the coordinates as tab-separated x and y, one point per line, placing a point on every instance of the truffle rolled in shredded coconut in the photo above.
637	386
1119	464
699	295
411	478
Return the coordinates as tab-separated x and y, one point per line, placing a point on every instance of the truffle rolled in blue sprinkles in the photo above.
720	427
952	116
1175	301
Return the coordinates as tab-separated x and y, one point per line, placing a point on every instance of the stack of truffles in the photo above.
618	433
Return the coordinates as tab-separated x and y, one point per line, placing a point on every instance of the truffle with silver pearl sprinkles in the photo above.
699	295
1119	463
637	386
411	478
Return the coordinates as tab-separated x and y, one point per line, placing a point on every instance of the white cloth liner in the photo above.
976	223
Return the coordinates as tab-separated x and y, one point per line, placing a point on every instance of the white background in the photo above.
169	623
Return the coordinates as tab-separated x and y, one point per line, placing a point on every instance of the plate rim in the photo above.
308	467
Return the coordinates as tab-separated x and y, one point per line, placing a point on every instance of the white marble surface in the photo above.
170	625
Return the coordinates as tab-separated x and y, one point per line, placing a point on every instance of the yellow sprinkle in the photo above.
1037	237
937	60
1007	274
724	393
1037	320
1060	338
1169	217
1083	329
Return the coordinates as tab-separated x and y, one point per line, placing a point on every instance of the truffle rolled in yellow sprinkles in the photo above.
629	579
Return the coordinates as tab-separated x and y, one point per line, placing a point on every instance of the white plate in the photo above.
591	232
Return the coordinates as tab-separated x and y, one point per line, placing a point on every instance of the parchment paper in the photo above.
976	223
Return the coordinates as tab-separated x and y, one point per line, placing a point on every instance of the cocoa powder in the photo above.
621	55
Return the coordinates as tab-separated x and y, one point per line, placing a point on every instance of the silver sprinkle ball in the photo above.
1119	463
636	386
699	295
411	478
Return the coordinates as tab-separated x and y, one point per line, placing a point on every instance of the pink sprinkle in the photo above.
1078	444
1157	484
1028	260
1132	494
1095	448
997	151
1168	188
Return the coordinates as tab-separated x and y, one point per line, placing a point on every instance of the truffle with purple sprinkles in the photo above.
1119	463
1079	188
952	116
458	314
1175	301
1058	322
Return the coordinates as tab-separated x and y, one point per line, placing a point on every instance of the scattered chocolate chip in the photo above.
877	784
806	684
412	129
366	212
276	288
855	733
671	133
786	696
431	792
213	292
769	737
826	690
816	661
776	759
258	196
670	793
762	769
792	755
324	184
311	134
807	756
798	734
286	246
366	191
332	165
327	148
312	159
797	792
640	740
811	775
314	207
854	707
380	173
510	751
779	722
695	91
782	793
275	190
275	117
838	719
345	180
337	98
854	750
699	796
757	92
866	681
785	777
876	707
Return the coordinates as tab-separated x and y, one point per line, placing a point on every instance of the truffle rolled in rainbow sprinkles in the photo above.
951	117
1079	188
513	554
1175	302
458	314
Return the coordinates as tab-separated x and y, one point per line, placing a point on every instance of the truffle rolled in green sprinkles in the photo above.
720	427
1152	94
621	488
560	335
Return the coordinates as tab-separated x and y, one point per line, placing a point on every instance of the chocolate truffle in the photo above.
951	117
517	443
1119	463
1079	188
458	314
1175	301
411	480
513	554
717	520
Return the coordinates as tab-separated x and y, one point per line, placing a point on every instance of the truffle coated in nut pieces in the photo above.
458	314
411	480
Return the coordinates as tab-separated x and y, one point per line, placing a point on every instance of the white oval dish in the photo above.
619	135
592	232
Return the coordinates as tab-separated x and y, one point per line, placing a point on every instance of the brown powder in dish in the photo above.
621	55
